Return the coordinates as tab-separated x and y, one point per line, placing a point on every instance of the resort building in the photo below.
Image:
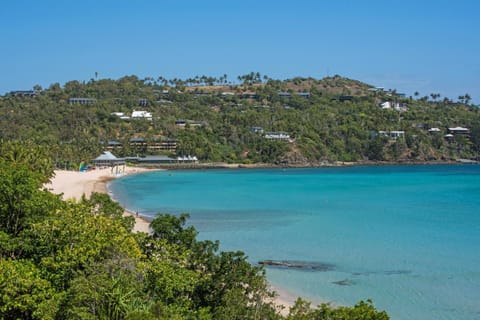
343	98
256	130
168	145
248	95
24	93
190	159
82	100
288	95
180	123
458	130
143	102
141	115
397	106
138	145
280	135
152	159
107	159
392	134
191	123
111	145
162	159
433	130
121	115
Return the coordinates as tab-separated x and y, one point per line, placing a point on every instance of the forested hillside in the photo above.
300	121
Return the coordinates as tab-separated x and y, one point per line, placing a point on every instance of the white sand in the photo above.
74	184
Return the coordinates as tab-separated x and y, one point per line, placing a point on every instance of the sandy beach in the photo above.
74	184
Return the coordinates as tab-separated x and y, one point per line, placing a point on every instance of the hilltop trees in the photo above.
336	121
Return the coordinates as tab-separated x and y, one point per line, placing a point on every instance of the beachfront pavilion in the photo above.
107	159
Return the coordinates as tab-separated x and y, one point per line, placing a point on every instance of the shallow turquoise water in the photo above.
407	237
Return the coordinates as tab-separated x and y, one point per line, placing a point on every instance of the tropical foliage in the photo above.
79	260
338	119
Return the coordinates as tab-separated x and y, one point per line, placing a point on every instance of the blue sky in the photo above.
410	45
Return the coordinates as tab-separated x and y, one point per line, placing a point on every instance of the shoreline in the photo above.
321	164
73	185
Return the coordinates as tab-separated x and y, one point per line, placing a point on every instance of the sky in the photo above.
429	46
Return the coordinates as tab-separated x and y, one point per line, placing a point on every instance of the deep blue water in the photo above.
407	237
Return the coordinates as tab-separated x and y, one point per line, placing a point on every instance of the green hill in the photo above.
320	120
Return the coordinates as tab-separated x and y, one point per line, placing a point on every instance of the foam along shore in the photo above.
75	184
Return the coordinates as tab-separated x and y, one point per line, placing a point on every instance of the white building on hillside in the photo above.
141	115
280	135
121	115
397	106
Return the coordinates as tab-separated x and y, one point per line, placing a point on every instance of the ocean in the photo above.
407	237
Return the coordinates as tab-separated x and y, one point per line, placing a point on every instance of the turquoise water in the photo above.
407	237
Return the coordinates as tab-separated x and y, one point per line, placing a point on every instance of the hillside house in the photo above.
343	98
180	123
141	115
277	135
392	134
248	95
82	101
24	93
143	102
256	130
121	115
397	106
288	95
376	89
458	130
191	123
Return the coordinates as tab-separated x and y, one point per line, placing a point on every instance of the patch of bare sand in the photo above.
75	184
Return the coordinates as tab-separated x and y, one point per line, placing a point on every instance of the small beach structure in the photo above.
107	159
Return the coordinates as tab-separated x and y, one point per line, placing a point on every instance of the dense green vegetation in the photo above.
67	260
80	260
339	121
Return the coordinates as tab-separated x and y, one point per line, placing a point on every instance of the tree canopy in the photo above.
69	260
329	119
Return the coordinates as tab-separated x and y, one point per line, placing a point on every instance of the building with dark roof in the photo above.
107	159
24	93
81	100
